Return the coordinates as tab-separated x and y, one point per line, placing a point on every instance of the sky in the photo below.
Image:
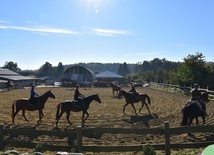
33	32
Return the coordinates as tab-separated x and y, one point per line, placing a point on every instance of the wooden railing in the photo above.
80	132
180	89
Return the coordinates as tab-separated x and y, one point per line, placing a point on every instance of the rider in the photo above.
78	96
133	91
196	96
33	94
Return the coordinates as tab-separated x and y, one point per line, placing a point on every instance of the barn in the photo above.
78	74
106	78
18	80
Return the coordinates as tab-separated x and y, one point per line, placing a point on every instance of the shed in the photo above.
105	78
17	79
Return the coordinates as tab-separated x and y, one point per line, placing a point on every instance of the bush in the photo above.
148	150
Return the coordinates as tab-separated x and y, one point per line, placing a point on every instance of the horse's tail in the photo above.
13	107
185	116
58	109
148	98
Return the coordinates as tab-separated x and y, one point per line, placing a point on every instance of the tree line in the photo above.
193	69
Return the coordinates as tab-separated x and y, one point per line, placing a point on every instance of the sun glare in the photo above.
96	5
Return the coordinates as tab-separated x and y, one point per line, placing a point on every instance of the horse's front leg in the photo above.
86	116
68	116
124	107
40	116
23	114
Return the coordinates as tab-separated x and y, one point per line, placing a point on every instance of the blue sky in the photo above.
33	32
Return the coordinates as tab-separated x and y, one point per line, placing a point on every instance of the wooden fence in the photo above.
180	89
6	138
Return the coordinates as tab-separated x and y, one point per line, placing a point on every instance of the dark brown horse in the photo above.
115	89
23	104
129	100
68	106
194	109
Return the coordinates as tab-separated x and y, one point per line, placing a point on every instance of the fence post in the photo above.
1	136
79	138
167	138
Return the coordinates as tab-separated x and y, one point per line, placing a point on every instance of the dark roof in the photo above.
108	74
6	74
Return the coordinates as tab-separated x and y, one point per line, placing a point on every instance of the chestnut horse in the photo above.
129	100
23	104
68	106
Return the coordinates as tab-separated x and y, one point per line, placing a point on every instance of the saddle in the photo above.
134	96
33	102
78	104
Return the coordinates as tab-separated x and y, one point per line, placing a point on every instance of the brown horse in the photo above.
68	106
115	89
129	100
195	109
23	104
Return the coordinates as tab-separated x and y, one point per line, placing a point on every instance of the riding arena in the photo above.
164	106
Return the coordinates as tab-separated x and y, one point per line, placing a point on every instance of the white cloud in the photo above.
39	29
108	32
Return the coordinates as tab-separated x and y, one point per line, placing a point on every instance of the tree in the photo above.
123	69
11	66
193	70
60	69
45	70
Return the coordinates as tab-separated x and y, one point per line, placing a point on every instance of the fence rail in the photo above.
180	89
80	132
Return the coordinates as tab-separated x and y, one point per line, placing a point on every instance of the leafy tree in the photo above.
45	70
11	66
60	69
123	69
193	70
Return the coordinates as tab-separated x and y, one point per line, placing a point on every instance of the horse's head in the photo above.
97	98
205	97
50	94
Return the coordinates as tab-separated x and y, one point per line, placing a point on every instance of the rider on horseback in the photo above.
78	96
196	96
33	101
133	91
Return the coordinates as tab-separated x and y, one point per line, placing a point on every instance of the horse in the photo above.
115	88
194	109
23	104
68	106
129	100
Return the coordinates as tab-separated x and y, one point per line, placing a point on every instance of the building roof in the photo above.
6	74
108	74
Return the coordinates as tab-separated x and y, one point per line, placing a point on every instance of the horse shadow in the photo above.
141	119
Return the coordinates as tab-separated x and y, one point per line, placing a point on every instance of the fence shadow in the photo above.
141	119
